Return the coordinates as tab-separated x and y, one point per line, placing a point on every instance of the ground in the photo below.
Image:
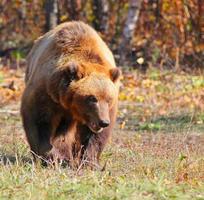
157	149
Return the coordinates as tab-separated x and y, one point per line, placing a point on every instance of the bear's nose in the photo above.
104	123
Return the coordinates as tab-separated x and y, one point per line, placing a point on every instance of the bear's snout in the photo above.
104	123
98	127
95	127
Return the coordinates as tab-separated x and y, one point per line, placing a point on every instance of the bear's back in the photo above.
70	40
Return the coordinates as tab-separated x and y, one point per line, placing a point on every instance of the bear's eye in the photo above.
65	82
92	99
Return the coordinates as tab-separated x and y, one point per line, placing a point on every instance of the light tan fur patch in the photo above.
96	84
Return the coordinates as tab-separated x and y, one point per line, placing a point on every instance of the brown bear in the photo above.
70	101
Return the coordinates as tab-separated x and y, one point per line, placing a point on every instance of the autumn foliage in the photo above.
166	34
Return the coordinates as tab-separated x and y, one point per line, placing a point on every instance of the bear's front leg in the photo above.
63	142
95	147
97	141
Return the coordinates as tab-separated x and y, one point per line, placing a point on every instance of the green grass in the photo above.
175	123
1	77
128	177
28	182
141	164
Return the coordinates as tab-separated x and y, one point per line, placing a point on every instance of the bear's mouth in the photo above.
95	128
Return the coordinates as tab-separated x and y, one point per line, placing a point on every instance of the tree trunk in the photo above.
74	9
100	10
51	14
200	22
128	31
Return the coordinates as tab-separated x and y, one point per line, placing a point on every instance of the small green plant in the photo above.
1	77
18	54
150	126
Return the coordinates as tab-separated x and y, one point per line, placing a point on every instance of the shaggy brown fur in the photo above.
70	101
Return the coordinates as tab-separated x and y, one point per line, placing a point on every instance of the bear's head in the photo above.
89	98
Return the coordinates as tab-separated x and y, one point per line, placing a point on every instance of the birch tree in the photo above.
74	8
129	28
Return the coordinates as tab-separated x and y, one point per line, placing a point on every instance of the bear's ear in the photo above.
60	79
115	74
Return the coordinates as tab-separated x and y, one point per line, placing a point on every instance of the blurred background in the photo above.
141	33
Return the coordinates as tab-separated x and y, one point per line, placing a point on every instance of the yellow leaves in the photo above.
140	98
137	138
11	86
158	42
186	99
199	47
122	125
122	96
63	18
127	96
165	6
147	83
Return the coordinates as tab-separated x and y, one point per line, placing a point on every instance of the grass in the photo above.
157	149
176	123
140	165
